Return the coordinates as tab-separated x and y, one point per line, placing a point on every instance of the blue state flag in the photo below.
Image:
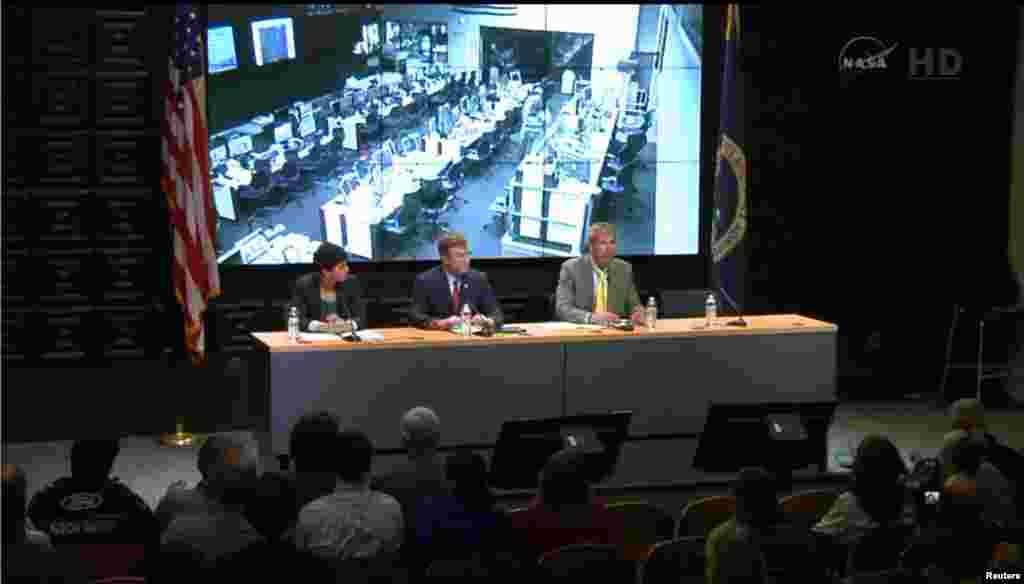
730	221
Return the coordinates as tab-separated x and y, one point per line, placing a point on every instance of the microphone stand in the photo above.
355	338
739	313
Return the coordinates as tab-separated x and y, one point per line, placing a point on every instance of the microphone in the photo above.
348	314
739	313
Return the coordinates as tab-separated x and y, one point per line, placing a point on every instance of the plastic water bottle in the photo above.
710	310
293	325
651	314
467	316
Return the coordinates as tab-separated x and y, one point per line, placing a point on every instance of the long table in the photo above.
667	377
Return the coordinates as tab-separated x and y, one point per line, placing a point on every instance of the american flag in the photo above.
185	177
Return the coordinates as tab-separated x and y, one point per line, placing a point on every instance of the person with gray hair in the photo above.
422	475
181	500
969	415
598	288
218	526
963	456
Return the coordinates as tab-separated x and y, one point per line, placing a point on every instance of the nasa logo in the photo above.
81	501
864	53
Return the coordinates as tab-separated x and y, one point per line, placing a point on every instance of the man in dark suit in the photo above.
330	299
438	295
598	288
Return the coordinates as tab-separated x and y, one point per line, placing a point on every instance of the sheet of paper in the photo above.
559	326
314	337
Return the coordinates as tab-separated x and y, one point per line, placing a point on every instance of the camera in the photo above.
924	484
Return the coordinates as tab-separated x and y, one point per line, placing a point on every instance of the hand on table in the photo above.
638	316
447	323
604	318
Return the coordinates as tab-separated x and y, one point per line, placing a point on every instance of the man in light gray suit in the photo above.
598	288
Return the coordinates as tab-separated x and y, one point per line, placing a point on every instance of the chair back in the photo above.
644	525
701	516
458	569
586	562
879	549
808	507
675	561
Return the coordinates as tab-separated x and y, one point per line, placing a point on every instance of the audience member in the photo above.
353	525
969	415
28	554
311	446
960	549
963	455
732	551
106	524
876	498
465	523
219	527
181	500
270	509
422	474
564	512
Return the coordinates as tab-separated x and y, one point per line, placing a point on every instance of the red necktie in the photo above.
455	298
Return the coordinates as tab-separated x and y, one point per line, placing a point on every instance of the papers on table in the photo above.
561	326
367	335
314	337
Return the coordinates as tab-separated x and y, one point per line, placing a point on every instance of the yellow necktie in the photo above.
601	294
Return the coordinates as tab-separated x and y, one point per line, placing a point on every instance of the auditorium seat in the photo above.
587	562
675	561
645	524
469	568
701	516
808	507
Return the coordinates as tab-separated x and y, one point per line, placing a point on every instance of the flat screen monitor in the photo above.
780	436
283	132
273	40
218	155
220	49
240	145
307	125
524	446
224	201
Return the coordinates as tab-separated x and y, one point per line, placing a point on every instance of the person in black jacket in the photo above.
969	415
438	295
330	298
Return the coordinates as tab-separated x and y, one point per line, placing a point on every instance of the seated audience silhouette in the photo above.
107	524
969	415
466	523
422	474
564	512
311	445
270	509
220	527
358	529
877	496
181	500
964	454
735	550
28	554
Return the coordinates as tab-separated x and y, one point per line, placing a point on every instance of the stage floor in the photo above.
149	468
